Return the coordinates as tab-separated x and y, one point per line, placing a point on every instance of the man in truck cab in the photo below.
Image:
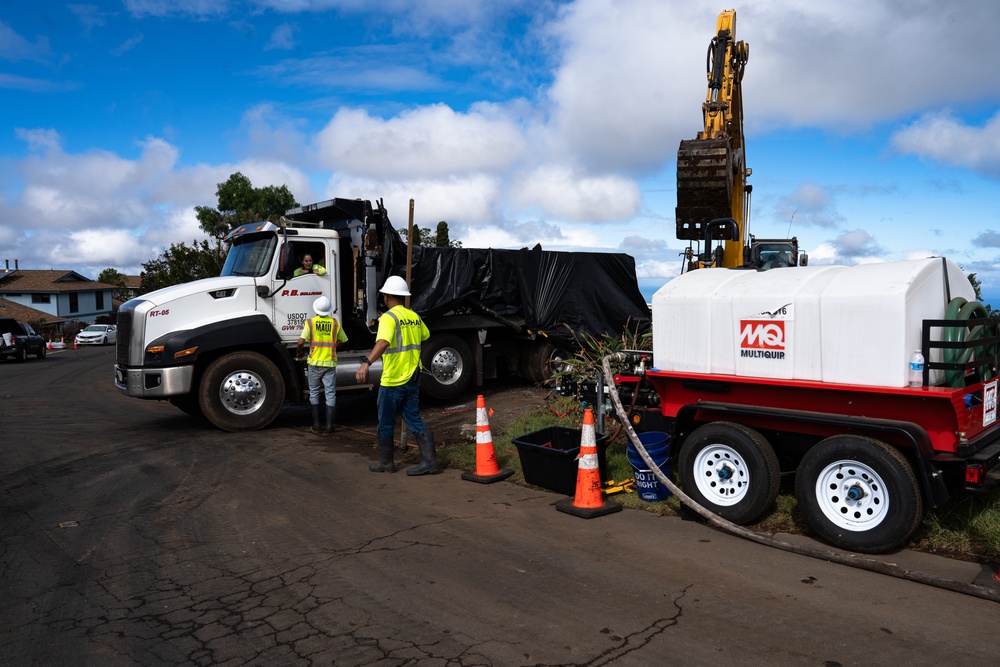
308	266
400	333
324	334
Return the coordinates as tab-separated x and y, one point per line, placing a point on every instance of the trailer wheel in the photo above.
447	364
858	493
242	391
731	470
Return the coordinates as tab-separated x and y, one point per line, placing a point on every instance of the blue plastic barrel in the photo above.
647	485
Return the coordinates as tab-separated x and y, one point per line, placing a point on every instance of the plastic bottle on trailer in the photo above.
917	369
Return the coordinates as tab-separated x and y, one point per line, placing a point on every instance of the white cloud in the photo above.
558	192
432	141
943	137
15	48
283	37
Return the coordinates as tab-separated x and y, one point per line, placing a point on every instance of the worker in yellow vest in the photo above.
324	334
400	333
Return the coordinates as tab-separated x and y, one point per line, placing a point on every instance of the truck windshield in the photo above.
250	256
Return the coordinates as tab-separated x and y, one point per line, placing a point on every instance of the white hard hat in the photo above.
322	306
396	286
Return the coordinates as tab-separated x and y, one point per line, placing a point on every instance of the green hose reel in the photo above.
960	308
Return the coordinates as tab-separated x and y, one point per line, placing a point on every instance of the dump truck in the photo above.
223	347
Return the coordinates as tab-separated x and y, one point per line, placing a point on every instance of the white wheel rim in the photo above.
852	496
721	475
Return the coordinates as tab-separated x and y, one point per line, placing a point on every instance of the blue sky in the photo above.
872	126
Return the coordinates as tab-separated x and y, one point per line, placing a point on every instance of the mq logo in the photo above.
762	339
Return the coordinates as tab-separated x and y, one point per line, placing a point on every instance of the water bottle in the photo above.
917	369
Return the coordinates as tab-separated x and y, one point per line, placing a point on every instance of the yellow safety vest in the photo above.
323	333
404	331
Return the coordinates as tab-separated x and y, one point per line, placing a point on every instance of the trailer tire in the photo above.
447	364
731	470
858	493
241	391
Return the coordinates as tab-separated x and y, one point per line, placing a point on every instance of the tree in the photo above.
441	238
977	285
425	237
110	276
183	263
241	203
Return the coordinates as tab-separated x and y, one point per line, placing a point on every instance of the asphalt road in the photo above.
131	534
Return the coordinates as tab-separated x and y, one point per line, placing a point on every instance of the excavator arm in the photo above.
711	169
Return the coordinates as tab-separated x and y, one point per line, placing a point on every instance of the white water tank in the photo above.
849	325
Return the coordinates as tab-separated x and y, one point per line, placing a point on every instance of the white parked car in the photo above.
98	334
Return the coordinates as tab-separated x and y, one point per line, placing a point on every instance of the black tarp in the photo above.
560	294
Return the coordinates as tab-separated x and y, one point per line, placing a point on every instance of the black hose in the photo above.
855	561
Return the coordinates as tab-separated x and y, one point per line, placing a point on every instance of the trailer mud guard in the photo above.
931	478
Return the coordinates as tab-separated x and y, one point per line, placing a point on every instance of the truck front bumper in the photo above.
153	382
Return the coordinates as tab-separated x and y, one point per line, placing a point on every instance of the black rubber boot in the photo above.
315	409
331	413
385	452
428	460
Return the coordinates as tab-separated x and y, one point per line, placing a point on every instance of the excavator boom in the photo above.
711	172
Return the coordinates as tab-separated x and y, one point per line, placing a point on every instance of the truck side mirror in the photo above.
286	261
803	259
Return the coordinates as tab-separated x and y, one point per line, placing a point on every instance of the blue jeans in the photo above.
327	376
402	400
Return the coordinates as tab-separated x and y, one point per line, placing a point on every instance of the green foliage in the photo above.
240	203
110	276
184	263
425	237
441	238
587	361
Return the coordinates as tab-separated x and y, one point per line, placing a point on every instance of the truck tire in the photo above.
41	352
544	361
858	493
241	391
447	364
21	354
731	470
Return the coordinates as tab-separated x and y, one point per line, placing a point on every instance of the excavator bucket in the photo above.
704	186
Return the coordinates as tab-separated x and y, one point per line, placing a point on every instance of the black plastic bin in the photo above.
548	457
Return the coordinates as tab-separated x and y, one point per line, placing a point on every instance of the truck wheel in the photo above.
242	391
545	358
22	354
41	352
447	365
858	493
731	470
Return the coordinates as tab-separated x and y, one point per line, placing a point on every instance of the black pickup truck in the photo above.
18	340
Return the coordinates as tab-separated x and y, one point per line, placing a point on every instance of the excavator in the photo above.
713	197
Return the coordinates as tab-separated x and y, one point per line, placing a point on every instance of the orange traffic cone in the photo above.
487	470
75	346
589	502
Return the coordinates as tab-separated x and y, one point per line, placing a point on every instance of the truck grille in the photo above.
124	334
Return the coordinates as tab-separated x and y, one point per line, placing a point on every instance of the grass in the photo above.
967	527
